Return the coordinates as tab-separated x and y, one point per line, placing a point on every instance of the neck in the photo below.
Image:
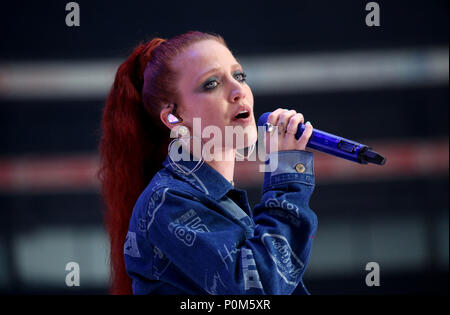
222	162
225	166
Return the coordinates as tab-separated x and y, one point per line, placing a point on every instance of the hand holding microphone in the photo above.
294	135
287	122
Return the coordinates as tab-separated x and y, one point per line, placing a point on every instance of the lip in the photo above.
244	121
240	109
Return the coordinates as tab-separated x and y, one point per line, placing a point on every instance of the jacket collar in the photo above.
205	178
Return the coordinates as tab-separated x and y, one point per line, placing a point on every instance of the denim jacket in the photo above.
197	234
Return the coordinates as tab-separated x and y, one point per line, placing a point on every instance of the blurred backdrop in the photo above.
385	86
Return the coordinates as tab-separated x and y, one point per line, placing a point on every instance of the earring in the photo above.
172	117
182	131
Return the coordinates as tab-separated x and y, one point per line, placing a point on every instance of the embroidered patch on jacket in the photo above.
186	227
286	205
131	248
288	265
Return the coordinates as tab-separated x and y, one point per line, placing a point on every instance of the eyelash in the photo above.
244	78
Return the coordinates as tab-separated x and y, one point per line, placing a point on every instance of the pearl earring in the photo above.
183	130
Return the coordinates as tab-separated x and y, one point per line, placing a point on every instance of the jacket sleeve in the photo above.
220	256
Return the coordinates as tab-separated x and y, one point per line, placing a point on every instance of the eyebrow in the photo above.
213	70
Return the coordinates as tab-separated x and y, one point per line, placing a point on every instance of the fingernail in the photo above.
308	123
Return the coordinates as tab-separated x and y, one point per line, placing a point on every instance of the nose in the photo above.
237	93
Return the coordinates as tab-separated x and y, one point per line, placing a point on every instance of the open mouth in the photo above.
242	115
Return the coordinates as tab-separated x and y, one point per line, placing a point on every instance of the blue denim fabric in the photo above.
197	234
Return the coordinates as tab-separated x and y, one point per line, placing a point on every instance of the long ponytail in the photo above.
131	152
134	141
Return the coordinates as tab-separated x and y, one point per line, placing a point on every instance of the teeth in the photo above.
242	112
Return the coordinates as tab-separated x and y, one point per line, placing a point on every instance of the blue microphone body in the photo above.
335	145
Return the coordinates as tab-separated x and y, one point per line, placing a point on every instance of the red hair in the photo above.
134	140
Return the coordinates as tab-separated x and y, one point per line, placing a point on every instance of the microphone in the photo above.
335	145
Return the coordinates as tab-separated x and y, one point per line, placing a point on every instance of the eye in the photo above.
211	85
240	76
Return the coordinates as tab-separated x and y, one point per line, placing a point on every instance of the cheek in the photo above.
211	103
249	95
207	107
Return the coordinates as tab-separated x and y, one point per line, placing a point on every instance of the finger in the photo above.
273	116
271	141
292	127
303	141
283	121
272	119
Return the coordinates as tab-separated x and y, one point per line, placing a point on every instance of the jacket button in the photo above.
300	168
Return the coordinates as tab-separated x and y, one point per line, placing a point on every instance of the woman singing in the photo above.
179	226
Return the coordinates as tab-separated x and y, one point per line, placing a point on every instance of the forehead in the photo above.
202	56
